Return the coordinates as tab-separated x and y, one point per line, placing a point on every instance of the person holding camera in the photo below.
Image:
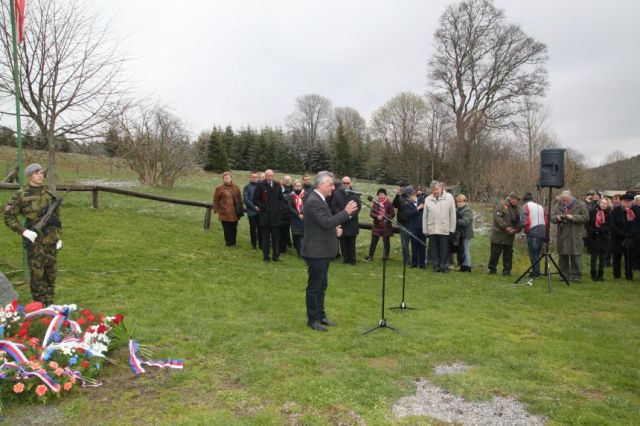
227	202
570	215
382	226
536	222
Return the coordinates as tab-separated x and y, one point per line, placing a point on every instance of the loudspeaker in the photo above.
552	168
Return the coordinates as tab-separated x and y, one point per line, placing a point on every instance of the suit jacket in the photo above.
338	202
320	240
270	200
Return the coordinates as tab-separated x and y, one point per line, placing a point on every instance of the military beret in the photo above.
32	168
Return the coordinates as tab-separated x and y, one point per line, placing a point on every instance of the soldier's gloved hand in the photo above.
59	245
30	235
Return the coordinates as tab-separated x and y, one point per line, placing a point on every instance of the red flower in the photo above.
81	321
14	304
118	319
84	364
45	321
41	390
102	328
33	306
101	318
85	313
91	318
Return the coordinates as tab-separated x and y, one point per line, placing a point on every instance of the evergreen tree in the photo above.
319	159
342	164
216	154
239	155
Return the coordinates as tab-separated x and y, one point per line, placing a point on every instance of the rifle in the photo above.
44	219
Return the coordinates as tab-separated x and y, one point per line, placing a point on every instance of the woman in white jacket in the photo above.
438	222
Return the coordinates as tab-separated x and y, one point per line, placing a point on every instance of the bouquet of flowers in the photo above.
46	352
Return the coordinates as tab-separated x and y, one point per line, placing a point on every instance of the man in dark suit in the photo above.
320	245
350	228
269	199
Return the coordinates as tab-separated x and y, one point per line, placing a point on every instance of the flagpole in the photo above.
16	84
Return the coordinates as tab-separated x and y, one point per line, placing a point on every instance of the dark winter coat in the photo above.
339	201
413	215
625	234
384	227
270	200
599	239
247	196
297	225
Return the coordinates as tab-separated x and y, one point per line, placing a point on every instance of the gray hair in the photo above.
435	184
321	177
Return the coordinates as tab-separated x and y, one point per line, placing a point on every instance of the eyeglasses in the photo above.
346	183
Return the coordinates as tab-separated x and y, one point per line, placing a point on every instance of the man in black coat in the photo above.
269	199
320	245
350	228
626	235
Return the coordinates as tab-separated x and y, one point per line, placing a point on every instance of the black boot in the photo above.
594	276
600	275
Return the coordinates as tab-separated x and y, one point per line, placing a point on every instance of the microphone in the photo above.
351	191
370	198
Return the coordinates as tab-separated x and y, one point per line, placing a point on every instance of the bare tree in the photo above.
154	143
70	71
400	124
311	119
351	120
483	68
438	133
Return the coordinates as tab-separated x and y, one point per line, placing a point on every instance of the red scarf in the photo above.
600	218
631	216
297	200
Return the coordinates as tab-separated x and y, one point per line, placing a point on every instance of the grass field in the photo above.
239	324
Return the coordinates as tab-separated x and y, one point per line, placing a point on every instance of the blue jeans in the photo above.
464	252
535	248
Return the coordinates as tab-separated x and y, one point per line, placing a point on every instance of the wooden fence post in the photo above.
94	197
207	218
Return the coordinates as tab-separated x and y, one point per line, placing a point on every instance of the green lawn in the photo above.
571	355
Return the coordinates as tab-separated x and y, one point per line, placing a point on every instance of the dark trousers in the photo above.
598	261
297	242
439	245
285	237
348	249
318	270
571	266
628	263
255	232
270	238
418	249
386	242
230	230
404	244
507	257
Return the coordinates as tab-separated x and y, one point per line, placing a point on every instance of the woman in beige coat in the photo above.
438	222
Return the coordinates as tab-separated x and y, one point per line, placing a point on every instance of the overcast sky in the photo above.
243	62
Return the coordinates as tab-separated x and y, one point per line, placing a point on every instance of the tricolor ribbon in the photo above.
136	363
84	382
60	315
27	374
14	351
73	343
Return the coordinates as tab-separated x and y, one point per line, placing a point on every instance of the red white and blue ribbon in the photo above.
59	318
38	373
14	351
136	363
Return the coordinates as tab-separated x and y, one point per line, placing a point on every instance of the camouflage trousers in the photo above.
42	265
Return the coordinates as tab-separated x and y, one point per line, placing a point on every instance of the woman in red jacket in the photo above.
381	212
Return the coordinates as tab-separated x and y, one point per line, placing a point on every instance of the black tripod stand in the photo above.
546	255
383	321
403	306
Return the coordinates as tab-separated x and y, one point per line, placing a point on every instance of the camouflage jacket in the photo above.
32	203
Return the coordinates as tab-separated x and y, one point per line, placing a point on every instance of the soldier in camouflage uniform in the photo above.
506	223
42	246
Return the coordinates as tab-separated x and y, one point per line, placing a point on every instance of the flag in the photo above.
19	8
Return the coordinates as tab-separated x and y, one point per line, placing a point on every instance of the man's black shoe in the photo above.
327	321
317	326
276	259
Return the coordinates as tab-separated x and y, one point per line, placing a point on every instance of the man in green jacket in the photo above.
506	223
42	245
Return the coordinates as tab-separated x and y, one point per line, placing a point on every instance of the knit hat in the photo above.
381	190
527	197
408	190
32	168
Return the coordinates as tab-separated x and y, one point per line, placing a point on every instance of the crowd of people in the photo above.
435	227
